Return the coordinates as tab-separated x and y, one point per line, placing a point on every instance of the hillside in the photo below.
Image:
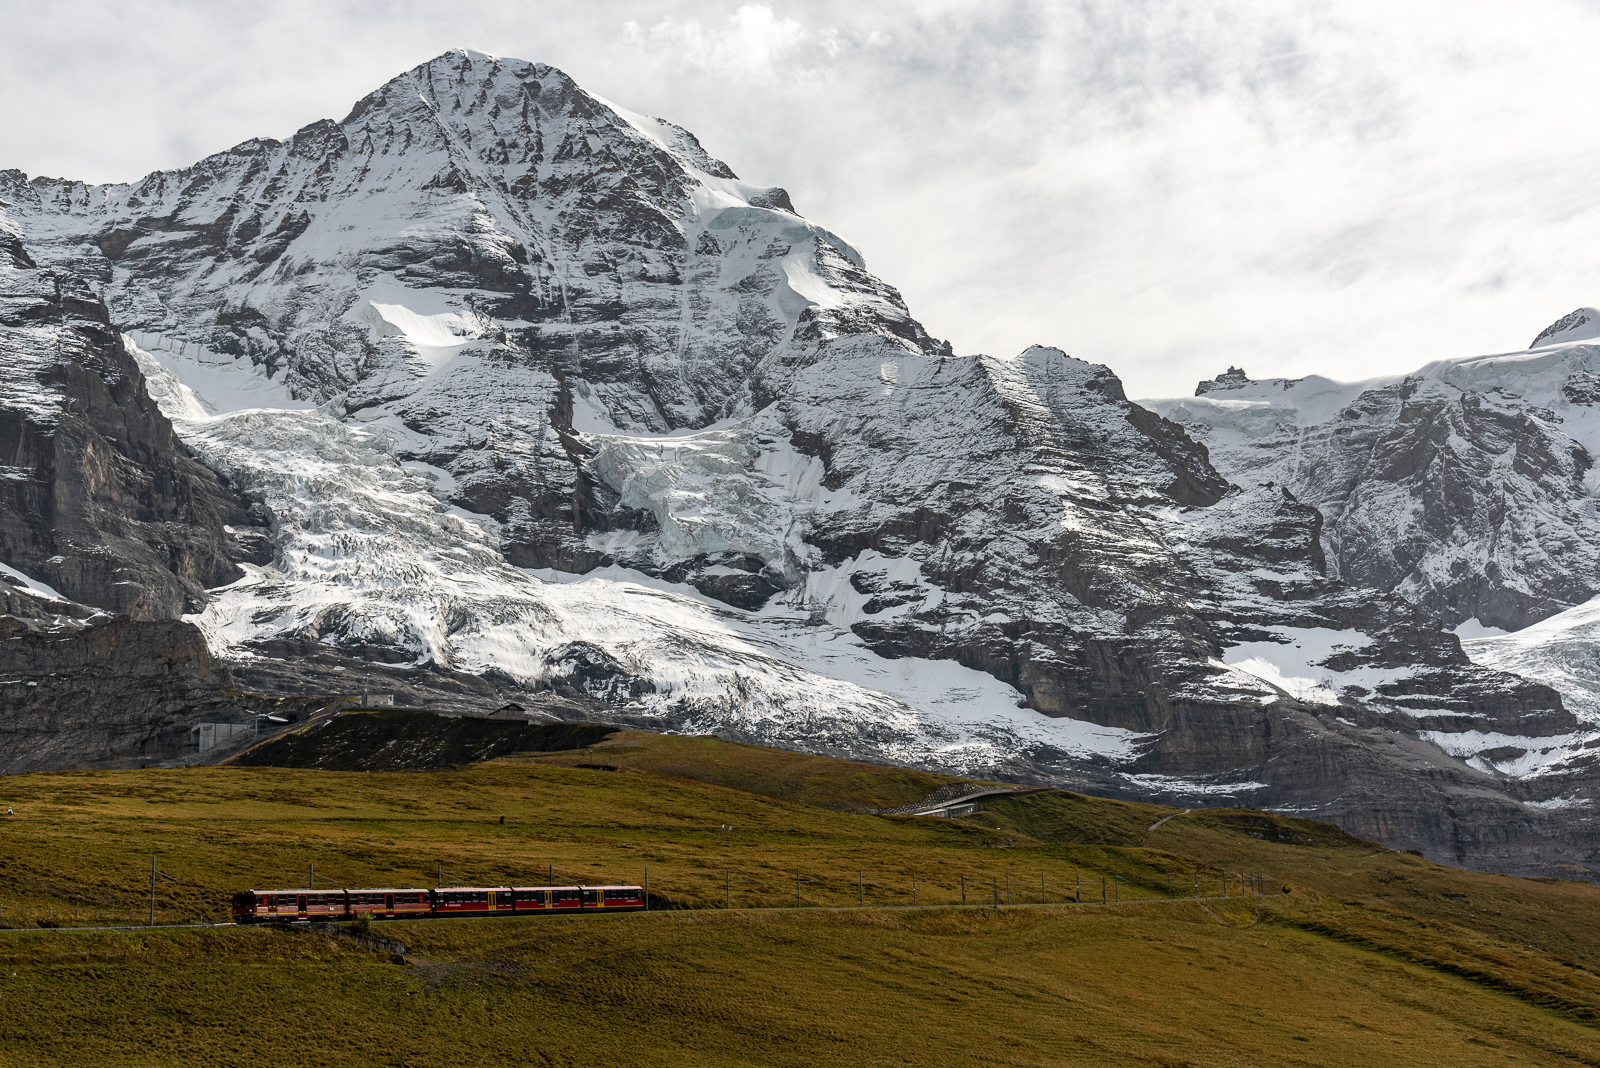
1370	955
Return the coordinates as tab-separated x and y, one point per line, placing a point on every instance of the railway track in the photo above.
296	924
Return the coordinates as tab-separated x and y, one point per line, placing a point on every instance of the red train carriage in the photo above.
473	900
399	903
390	903
613	898
547	898
253	906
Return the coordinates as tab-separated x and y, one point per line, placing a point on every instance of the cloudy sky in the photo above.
1345	188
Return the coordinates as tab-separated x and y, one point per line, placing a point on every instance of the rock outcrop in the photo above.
99	498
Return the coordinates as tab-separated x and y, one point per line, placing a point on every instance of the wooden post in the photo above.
1102	889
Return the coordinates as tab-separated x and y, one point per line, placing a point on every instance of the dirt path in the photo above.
1174	816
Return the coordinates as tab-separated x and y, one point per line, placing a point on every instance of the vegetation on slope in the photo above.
1372	957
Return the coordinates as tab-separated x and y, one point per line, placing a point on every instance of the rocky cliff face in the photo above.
1468	488
537	393
100	498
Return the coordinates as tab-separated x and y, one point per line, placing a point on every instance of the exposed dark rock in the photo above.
404	740
100	499
116	692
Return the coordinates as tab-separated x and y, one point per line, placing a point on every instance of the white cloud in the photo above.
751	41
1167	187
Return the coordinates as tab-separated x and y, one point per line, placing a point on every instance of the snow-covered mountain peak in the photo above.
1581	325
538	394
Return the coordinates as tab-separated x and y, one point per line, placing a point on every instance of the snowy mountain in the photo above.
538	396
1467	486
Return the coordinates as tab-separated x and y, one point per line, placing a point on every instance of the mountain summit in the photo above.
539	397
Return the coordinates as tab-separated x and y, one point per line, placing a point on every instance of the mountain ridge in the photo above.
538	396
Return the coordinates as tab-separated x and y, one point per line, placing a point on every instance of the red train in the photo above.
409	903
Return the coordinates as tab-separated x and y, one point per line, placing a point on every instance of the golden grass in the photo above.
1375	957
1192	984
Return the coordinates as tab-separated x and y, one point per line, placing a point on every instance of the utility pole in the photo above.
963	889
438	879
1102	889
994	885
913	889
861	887
1041	888
1008	886
728	888
797	888
312	877
647	888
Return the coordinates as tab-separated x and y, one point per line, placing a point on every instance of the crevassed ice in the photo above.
367	554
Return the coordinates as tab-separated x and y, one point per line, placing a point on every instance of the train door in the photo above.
300	902
388	902
491	901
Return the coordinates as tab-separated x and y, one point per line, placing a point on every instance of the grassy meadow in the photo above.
1371	956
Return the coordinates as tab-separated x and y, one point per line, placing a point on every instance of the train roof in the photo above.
442	889
465	889
584	886
382	889
342	890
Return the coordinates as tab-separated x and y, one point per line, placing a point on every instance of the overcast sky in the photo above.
1347	188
